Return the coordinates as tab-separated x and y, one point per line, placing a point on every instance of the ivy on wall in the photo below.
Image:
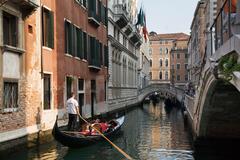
227	65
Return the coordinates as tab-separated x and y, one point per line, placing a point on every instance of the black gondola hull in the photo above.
78	140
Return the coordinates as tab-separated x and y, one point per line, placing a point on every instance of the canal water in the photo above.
150	132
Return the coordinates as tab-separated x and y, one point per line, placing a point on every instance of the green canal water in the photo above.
150	132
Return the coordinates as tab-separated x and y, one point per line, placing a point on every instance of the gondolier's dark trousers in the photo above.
72	120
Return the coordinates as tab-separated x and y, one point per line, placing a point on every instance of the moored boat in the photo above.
77	139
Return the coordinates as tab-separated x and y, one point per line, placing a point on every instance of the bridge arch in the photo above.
218	110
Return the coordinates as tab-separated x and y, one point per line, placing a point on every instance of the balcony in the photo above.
26	6
94	64
121	15
93	18
135	37
128	30
226	29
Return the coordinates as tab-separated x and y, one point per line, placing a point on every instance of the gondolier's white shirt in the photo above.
72	105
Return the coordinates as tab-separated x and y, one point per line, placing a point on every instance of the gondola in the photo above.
75	140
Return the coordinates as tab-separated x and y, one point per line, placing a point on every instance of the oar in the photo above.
115	146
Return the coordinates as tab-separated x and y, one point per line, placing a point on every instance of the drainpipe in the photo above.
41	41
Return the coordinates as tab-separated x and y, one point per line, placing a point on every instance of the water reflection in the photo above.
150	132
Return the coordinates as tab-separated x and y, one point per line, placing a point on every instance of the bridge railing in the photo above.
189	104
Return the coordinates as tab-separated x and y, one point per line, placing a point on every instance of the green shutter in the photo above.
106	16
101	54
81	44
85	3
85	46
51	30
66	37
78	43
70	39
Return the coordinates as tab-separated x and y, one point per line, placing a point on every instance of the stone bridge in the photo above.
214	111
165	90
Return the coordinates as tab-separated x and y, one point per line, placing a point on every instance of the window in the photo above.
178	77
47	28
81	93
10	29
79	43
150	63
68	38
178	66
186	66
93	85
186	77
186	56
166	50
172	66
161	50
166	62
178	56
160	75
160	62
166	75
150	75
47	91
10	95
69	86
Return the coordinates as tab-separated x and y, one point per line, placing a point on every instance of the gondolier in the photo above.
73	111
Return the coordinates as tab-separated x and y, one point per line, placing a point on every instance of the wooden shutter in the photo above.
51	30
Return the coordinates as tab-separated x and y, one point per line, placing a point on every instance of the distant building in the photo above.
144	64
179	61
160	55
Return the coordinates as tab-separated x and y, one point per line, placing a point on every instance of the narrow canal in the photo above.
150	132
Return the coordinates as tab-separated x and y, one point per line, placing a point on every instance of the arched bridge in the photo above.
214	111
165	90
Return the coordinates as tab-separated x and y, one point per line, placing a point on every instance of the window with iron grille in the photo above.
10	95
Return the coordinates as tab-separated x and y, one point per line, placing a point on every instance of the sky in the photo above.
169	16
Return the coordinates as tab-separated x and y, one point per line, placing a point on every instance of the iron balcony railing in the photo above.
221	30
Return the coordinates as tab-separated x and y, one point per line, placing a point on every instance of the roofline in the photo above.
196	11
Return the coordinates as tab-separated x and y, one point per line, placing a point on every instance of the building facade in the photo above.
124	47
47	53
179	62
81	47
197	43
160	48
20	78
144	64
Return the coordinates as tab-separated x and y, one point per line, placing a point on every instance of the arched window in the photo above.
166	62
166	51
160	62
160	75
166	75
